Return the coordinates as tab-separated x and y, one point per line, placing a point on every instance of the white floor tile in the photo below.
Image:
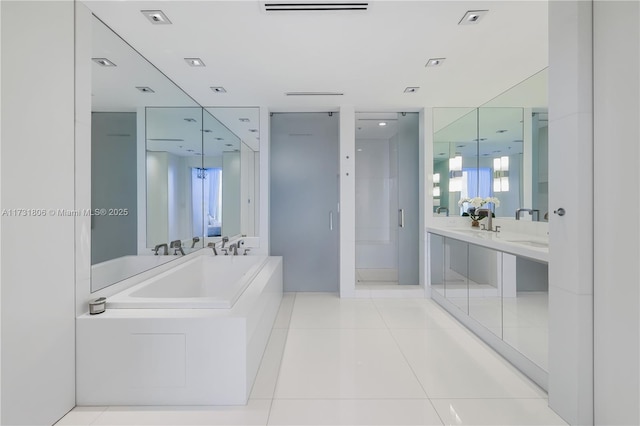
348	363
256	412
453	363
510	412
413	313
81	416
327	310
353	412
284	313
265	383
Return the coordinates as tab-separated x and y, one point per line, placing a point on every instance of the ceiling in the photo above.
370	56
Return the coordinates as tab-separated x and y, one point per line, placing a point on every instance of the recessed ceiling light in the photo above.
145	89
253	130
194	62
156	17
189	150
190	120
219	89
411	89
435	62
501	131
103	62
472	17
442	153
228	144
244	120
206	130
382	124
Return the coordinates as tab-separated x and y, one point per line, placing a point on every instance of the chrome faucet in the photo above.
489	215
177	245
233	249
158	246
194	241
224	241
439	209
531	211
212	246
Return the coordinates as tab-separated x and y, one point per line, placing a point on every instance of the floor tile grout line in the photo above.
284	348
404	356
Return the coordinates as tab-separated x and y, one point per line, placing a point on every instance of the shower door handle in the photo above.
331	220
401	216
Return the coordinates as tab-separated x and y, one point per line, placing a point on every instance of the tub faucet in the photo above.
212	246
194	241
233	249
177	245
158	246
439	209
530	211
486	212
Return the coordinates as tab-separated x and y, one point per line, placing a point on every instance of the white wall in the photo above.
37	254
347	213
616	195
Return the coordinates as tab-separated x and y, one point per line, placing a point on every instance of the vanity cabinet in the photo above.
501	296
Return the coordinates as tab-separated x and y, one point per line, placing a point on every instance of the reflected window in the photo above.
206	185
476	183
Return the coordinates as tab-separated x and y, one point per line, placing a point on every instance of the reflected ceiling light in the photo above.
190	120
145	89
244	120
156	17
501	131
103	62
206	130
501	174
253	130
382	124
435	62
359	149
436	185
219	89
411	89
228	144
219	139
472	17
195	62
455	173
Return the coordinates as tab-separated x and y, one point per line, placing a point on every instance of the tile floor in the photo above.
333	361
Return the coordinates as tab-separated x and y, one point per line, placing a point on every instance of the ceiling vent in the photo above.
297	6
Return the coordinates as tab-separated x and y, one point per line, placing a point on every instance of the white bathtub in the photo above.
206	282
151	347
115	270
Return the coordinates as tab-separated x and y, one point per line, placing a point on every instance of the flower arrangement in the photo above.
476	203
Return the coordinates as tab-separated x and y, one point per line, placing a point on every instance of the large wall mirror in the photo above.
163	169
497	150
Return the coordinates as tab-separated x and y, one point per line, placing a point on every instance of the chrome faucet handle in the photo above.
246	251
225	251
497	229
213	247
225	240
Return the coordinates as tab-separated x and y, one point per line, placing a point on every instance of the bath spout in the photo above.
212	246
158	246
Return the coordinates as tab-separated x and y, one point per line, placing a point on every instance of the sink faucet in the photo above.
486	212
439	209
177	245
530	211
158	246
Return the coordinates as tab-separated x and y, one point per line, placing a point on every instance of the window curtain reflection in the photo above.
206	185
476	183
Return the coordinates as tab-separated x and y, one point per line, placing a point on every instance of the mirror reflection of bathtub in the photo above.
118	269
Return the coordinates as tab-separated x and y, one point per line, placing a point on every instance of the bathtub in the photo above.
206	282
191	335
115	270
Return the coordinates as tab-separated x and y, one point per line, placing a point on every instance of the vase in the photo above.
475	224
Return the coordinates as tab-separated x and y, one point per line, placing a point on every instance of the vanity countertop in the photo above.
532	246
